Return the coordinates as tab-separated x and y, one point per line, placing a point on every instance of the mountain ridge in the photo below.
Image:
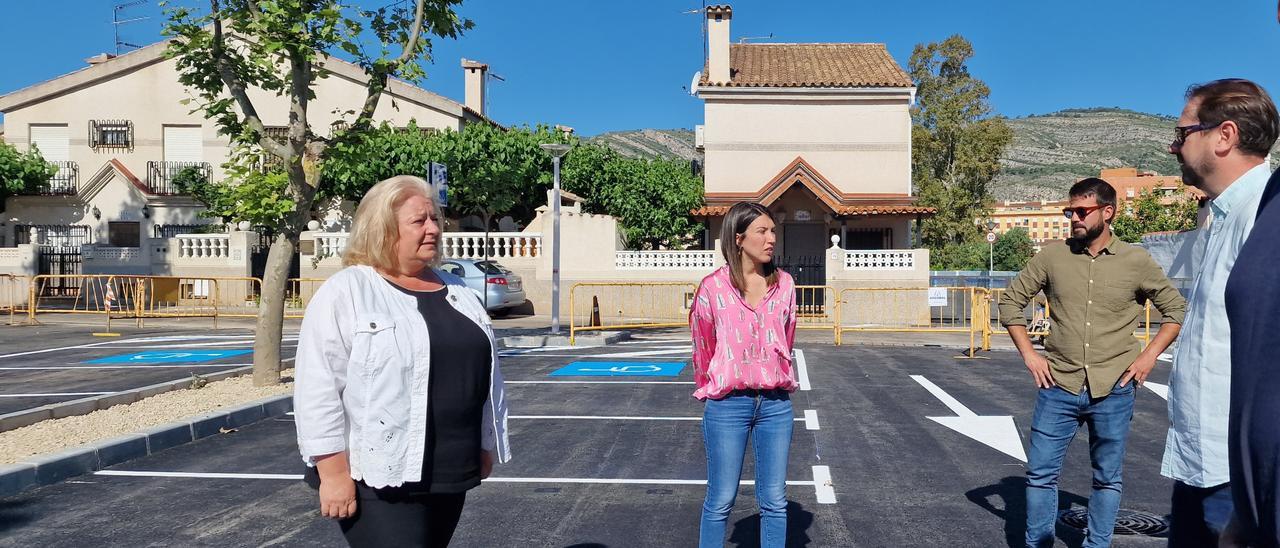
1048	154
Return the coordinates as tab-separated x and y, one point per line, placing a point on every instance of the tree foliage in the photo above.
956	141
652	198
1147	213
282	47
1011	252
22	172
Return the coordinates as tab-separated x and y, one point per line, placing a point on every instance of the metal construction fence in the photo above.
141	297
971	311
628	305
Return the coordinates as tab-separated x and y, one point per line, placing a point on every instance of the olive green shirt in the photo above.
1094	306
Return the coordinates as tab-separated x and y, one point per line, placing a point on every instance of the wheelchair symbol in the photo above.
162	356
626	369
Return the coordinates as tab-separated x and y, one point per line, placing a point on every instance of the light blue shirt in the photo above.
1200	384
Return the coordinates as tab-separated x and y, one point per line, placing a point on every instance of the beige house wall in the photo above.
860	146
151	97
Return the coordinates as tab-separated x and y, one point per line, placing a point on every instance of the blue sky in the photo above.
614	65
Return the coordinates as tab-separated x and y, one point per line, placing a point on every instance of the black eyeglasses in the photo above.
1080	212
1180	133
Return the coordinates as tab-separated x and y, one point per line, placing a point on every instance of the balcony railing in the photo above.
64	182
160	175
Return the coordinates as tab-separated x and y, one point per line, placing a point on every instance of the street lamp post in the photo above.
556	150
991	250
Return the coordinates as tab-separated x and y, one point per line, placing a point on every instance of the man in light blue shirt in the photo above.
1222	140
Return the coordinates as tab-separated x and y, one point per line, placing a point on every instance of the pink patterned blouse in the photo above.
736	346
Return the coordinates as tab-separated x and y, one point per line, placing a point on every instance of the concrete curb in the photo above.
84	406
52	468
537	341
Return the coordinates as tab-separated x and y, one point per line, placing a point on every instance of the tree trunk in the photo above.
270	328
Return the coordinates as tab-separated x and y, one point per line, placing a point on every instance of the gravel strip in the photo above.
55	435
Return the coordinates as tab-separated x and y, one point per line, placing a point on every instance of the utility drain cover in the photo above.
1128	522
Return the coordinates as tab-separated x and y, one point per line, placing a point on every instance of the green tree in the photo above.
652	199
22	172
956	141
1146	214
1012	250
280	47
959	256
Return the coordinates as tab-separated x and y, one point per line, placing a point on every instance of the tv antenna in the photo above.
487	100
702	11
116	22
744	39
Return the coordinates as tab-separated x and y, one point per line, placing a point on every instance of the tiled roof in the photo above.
812	65
847	211
886	210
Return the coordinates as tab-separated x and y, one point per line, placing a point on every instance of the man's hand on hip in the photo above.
1038	365
1139	370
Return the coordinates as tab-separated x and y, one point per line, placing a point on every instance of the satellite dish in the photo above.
693	86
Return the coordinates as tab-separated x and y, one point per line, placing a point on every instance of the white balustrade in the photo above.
204	246
114	254
331	244
502	245
880	260
665	260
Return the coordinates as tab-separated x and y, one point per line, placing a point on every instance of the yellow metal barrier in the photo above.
13	295
818	307
1038	314
602	306
906	310
298	295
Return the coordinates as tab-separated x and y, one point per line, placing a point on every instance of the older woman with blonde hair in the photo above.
399	401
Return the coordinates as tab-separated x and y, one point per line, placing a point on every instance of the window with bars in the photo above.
110	134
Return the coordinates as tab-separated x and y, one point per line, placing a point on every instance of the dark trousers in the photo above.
410	520
1199	515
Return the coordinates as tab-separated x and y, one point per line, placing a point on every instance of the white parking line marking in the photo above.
60	348
805	419
135	366
810	419
823	487
1161	390
821	481
802	370
54	394
209	475
598	382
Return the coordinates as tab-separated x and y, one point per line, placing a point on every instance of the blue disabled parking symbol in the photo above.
169	356
620	369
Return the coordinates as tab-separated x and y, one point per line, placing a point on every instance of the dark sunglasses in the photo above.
1080	212
1180	133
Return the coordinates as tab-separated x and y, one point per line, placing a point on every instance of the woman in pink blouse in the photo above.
743	322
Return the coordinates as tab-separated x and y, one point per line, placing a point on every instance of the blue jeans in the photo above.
767	417
1058	416
1199	515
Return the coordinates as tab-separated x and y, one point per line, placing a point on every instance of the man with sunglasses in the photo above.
1222	139
1096	286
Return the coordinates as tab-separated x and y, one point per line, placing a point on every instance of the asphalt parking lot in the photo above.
608	452
40	365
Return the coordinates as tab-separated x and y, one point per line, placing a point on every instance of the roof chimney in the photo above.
718	43
476	74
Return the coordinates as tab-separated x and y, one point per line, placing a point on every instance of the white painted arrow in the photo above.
996	432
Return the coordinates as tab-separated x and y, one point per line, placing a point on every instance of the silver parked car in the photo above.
504	287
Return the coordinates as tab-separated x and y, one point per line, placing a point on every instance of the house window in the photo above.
123	233
110	134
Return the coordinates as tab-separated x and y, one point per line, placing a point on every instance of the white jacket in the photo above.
364	355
